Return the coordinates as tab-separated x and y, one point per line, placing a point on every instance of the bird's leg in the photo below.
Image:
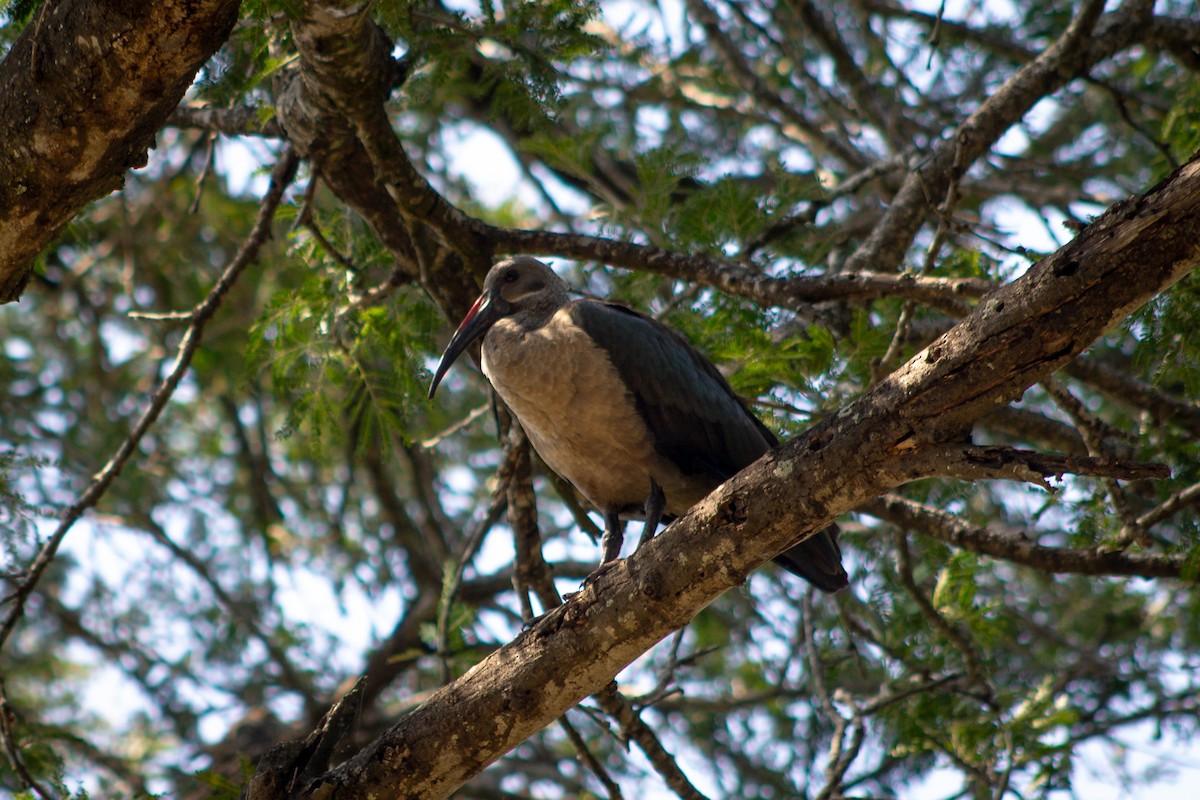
656	503
614	536
610	545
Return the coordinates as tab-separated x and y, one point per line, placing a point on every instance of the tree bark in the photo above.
82	93
1014	337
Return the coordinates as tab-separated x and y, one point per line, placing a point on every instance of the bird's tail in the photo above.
818	559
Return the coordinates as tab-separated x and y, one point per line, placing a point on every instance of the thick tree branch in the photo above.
82	93
1017	336
344	56
333	109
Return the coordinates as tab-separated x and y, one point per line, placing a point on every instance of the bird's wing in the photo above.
818	559
695	418
693	415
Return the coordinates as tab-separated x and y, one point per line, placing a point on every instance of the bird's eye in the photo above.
511	277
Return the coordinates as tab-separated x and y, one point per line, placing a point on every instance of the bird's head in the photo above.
522	288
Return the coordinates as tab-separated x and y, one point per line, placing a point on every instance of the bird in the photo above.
620	405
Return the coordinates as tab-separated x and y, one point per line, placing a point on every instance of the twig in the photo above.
376	294
237	121
1001	782
436	440
239	611
666	673
1163	406
162	315
635	729
306	221
589	759
1008	463
7	716
284	171
816	670
847	186
1018	549
1093	430
945	219
1163	148
438	531
1181	499
841	753
426	547
1070	55
957	637
454	581
210	151
888	696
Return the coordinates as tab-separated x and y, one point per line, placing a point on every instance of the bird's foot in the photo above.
598	572
534	620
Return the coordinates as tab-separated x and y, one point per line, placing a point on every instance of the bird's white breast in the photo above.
576	410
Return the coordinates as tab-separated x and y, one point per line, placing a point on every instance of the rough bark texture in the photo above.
332	109
82	93
1016	336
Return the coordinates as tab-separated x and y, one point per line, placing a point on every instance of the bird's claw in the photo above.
598	572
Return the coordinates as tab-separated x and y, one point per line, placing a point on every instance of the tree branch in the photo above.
13	750
1162	405
237	121
1066	59
951	529
284	171
1018	335
83	91
766	291
1007	463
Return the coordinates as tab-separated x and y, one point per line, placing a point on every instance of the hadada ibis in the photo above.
620	405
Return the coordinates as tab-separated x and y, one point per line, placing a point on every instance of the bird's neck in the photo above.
531	319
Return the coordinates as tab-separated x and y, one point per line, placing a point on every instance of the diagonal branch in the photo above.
83	91
333	109
1018	335
1068	58
284	171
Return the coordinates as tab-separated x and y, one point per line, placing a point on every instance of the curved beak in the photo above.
482	316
